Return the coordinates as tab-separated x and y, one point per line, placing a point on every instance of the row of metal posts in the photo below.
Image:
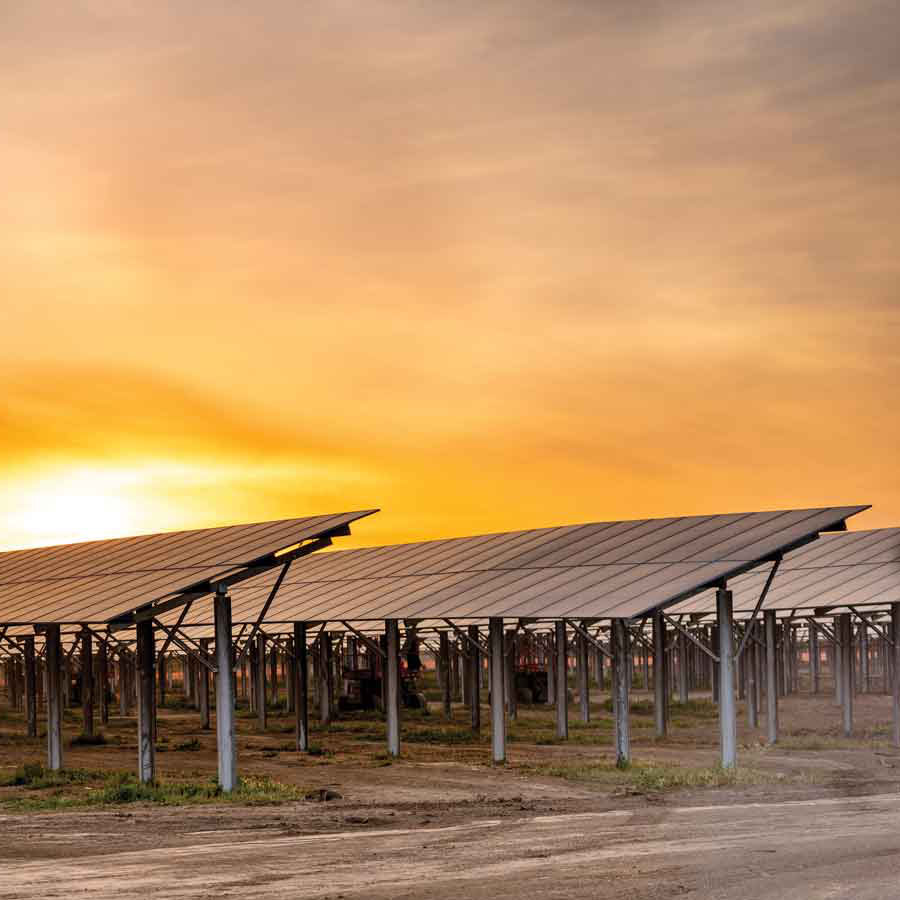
780	678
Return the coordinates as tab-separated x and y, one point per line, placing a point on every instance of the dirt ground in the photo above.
817	816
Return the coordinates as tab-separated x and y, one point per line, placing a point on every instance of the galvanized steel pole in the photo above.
498	677
392	696
659	673
511	654
446	674
837	660
727	706
895	686
474	669
813	660
30	687
771	677
261	699
103	679
203	686
54	698
301	688
683	695
87	682
846	673
621	683
584	680
863	658
225	741
562	687
146	660
752	675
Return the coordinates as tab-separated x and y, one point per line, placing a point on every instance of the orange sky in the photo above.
485	266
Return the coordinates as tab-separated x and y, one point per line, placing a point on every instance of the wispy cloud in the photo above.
494	264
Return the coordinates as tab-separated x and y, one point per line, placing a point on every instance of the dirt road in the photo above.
821	848
817	817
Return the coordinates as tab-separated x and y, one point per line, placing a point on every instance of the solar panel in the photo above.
597	570
95	580
859	568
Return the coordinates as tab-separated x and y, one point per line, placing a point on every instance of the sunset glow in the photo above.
464	262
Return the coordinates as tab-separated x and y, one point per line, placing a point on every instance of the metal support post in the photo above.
261	700
54	698
446	675
225	740
584	680
846	637
474	671
659	674
771	676
103	678
87	681
324	677
30	687
392	704
749	655
837	659
621	684
727	706
863	658
895	654
511	655
301	688
498	677
562	687
203	686
162	673
813	660
146	660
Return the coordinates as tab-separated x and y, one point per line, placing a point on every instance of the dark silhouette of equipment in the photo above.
530	671
363	688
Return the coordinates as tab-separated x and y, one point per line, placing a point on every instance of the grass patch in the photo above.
647	778
35	776
314	750
191	745
699	709
88	788
382	759
635	707
98	738
447	735
178	703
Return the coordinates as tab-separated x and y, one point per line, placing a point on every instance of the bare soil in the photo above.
817	816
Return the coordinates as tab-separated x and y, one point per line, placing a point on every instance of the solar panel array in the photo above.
859	568
92	581
597	570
